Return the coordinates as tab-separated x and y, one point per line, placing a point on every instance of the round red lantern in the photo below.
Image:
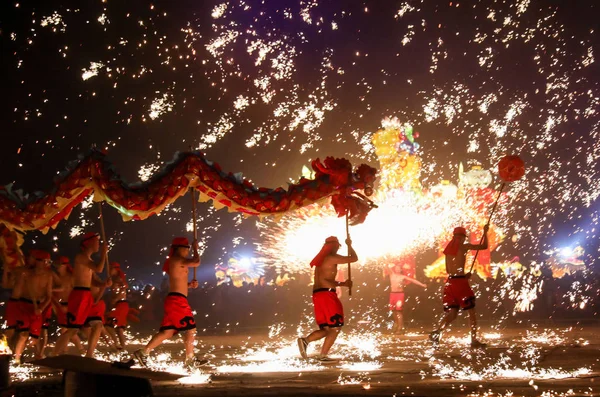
511	168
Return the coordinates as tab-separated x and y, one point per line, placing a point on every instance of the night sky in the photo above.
263	87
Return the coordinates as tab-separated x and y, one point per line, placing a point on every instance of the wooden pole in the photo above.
488	223
103	234
194	221
349	267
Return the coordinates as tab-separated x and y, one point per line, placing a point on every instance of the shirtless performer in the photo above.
117	319
35	298
11	279
178	316
397	281
42	341
329	312
457	291
94	323
81	299
61	297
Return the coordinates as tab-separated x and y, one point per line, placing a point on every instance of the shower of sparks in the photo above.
276	76
55	20
287	242
284	84
94	69
161	105
362	355
146	171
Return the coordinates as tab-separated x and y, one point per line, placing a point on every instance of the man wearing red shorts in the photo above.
178	316
61	297
94	323
397	276
457	291
117	319
12	278
36	297
80	298
329	312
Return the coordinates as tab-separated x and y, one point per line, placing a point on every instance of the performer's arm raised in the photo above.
98	267
414	281
484	245
194	261
339	259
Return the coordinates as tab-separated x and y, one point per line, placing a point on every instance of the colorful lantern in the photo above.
511	168
475	178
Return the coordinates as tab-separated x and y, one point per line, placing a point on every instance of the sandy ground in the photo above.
524	361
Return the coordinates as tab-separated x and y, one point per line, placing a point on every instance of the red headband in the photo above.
178	242
331	244
64	261
460	230
40	255
454	244
88	236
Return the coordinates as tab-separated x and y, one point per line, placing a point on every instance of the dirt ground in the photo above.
524	361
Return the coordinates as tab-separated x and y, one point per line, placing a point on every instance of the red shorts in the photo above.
28	320
329	311
80	304
96	313
46	316
178	313
396	301
118	315
458	293
61	317
11	314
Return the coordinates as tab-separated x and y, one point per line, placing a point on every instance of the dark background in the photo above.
554	207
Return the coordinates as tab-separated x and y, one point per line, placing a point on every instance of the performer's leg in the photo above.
473	323
449	316
74	339
95	333
63	340
331	336
20	345
316	335
10	334
399	319
107	339
121	334
158	339
85	333
113	336
42	343
188	339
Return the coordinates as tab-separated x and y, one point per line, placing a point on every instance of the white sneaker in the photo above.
302	345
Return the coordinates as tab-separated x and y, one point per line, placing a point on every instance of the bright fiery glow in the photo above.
4	348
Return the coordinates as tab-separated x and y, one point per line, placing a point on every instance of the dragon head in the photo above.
364	178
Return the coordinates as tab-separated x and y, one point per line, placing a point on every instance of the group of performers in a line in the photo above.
75	294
